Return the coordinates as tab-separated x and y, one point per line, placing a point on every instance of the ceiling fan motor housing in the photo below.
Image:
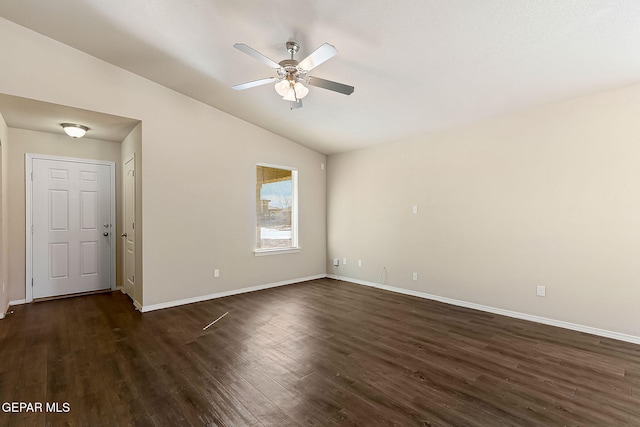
291	71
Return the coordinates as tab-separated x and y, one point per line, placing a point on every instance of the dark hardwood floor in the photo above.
317	353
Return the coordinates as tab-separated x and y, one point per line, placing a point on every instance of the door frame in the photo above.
28	175
132	158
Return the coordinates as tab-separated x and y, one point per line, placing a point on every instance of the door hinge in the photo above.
133	278
133	225
31	228
31	176
32	282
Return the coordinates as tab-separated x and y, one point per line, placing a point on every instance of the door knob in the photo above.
124	234
105	234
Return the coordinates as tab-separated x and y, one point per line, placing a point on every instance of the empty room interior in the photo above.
320	213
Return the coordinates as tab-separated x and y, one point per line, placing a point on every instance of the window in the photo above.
276	209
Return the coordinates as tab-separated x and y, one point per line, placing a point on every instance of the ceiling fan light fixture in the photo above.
74	130
282	87
290	95
301	90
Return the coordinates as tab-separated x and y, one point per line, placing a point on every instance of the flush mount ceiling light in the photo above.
292	74
74	130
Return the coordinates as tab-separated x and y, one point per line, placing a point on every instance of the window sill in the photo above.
264	252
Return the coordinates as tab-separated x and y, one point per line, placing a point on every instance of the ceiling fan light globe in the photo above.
301	90
282	87
290	96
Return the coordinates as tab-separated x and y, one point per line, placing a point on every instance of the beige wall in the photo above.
198	171
550	196
132	147
25	141
4	226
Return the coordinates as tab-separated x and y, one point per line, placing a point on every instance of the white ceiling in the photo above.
418	66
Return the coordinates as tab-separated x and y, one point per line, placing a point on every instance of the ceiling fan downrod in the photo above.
292	48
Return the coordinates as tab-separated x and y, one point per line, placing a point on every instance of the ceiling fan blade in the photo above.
255	83
318	56
328	84
257	55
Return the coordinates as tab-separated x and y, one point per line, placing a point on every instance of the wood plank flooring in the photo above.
319	353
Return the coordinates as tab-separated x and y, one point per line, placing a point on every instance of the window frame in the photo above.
295	246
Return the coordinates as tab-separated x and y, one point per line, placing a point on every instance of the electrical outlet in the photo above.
359	263
415	209
541	291
321	166
216	273
344	260
415	276
336	262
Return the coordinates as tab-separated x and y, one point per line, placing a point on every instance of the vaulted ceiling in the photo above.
418	66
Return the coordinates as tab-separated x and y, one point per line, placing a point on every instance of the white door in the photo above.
71	213
129	227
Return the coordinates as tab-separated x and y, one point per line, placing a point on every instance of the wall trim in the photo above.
523	316
18	302
4	312
152	307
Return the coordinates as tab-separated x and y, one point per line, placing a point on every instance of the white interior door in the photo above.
129	227
72	222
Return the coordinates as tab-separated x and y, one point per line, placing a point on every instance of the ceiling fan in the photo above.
291	75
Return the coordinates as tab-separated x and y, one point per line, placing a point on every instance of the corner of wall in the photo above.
4	246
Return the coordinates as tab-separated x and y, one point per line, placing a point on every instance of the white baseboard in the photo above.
3	314
147	308
544	320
